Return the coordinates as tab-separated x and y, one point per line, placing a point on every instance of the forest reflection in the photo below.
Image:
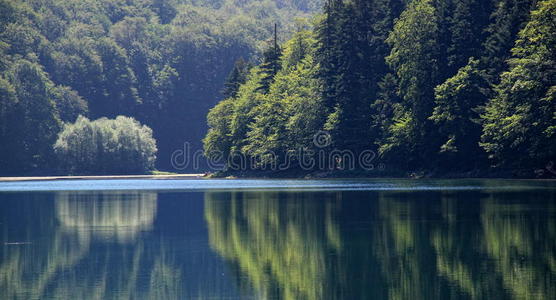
89	248
473	244
387	245
281	242
116	215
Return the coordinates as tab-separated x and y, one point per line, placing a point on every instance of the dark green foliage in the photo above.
348	121
165	9
237	77
69	104
350	53
420	82
507	19
270	66
458	101
104	146
285	118
218	139
520	121
30	118
383	108
416	80
8	104
162	62
415	42
467	25
324	54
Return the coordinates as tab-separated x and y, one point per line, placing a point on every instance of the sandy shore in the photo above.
103	177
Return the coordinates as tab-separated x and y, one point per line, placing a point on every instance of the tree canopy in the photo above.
437	87
160	62
433	87
106	146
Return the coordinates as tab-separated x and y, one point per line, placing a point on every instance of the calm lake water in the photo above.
278	239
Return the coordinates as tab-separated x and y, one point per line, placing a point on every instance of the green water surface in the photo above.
276	239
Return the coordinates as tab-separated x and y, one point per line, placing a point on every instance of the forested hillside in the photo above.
160	62
434	87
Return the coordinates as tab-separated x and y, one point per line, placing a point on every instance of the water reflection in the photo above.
522	241
115	215
387	245
65	264
281	242
441	244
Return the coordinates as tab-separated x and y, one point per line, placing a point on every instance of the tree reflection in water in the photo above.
280	241
387	245
64	265
116	215
453	244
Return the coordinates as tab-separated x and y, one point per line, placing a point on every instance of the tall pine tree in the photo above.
520	122
508	17
271	63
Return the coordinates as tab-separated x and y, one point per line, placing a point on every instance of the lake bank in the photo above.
102	177
254	175
388	173
297	174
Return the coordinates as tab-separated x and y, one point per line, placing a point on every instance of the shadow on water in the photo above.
480	243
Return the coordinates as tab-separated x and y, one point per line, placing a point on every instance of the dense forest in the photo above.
399	87
161	62
422	87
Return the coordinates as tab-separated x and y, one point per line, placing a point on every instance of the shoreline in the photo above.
246	176
101	177
394	174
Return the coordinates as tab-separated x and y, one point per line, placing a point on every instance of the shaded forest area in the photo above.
429	87
161	62
432	87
